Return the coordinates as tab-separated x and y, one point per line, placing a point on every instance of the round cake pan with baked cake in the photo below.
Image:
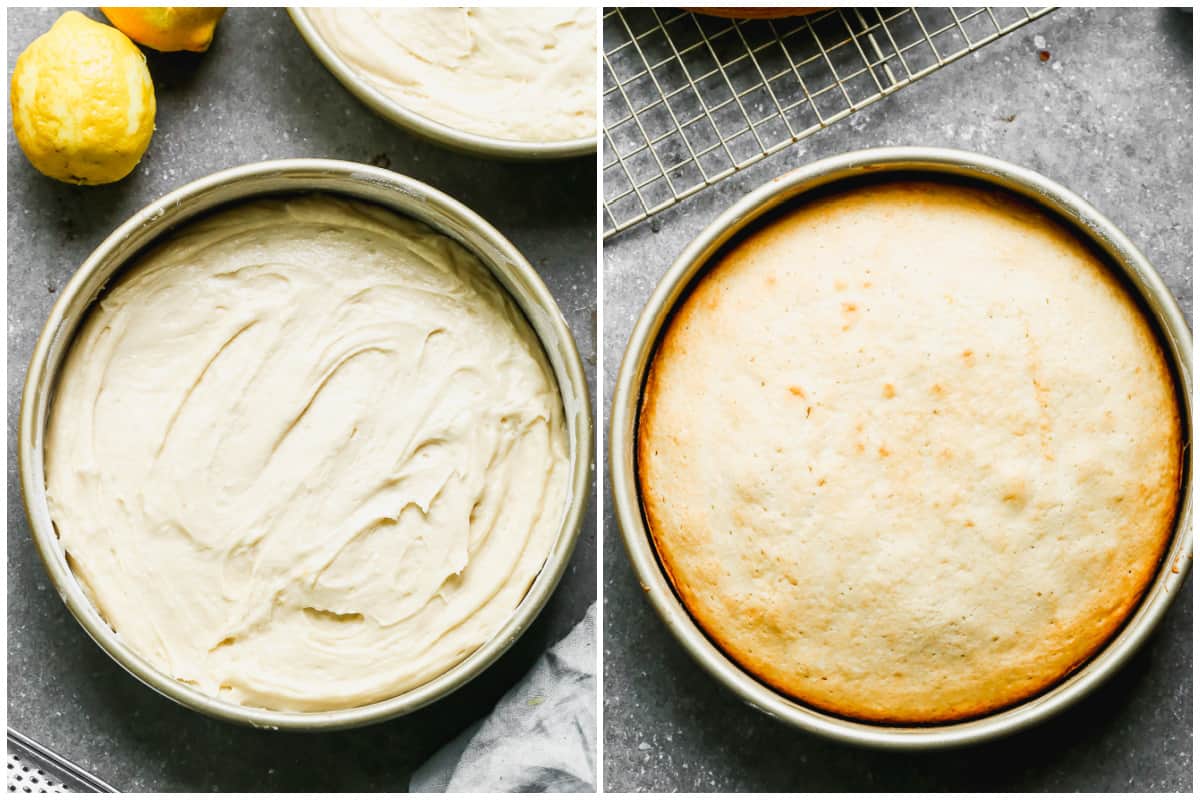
844	571
350	181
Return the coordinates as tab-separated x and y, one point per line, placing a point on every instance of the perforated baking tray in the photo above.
689	99
35	769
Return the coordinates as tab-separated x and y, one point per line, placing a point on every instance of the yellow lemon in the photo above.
82	102
167	29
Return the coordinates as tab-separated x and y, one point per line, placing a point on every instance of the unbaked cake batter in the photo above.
306	454
523	74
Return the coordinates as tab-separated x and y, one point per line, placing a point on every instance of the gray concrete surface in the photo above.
1110	116
258	94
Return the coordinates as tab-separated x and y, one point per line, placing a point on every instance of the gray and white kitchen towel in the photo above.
541	737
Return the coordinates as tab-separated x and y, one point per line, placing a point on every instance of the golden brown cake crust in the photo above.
909	453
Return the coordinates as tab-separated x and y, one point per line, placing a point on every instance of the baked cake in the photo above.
909	452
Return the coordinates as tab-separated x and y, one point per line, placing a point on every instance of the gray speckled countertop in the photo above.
1109	116
259	93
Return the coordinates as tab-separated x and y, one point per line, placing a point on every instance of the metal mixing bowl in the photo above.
404	196
454	138
1160	307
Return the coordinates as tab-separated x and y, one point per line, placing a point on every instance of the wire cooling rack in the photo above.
690	99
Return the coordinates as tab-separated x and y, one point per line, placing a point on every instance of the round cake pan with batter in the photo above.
391	191
1131	268
398	114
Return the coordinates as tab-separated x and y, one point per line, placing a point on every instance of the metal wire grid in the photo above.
690	99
